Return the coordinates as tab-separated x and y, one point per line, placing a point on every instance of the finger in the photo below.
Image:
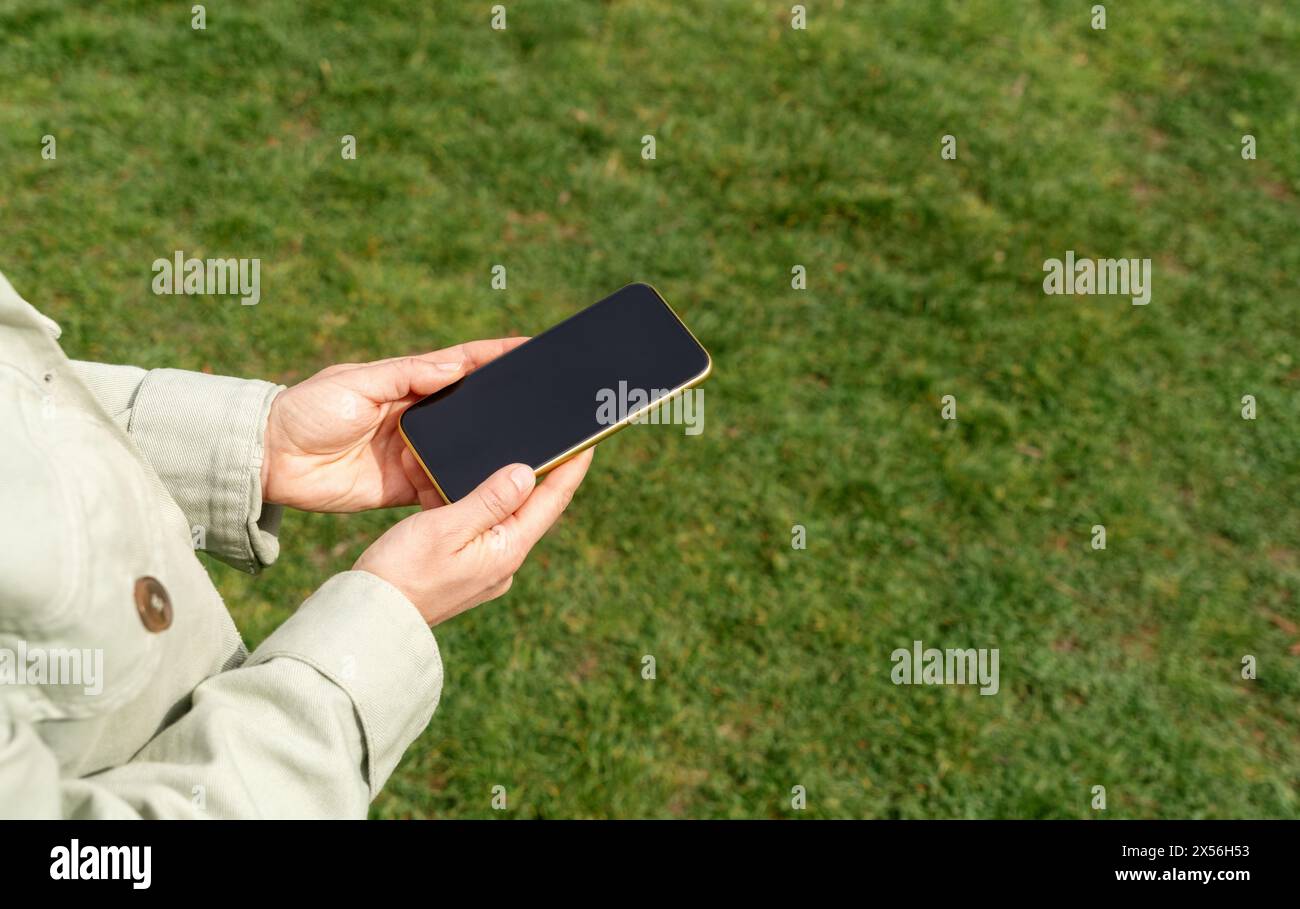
425	494
499	590
476	353
456	362
393	380
495	499
549	500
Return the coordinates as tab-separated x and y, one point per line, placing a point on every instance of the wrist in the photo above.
268	450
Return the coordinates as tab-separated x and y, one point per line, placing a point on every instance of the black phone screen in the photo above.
551	394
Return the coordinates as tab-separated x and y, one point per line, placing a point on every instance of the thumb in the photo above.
392	380
495	499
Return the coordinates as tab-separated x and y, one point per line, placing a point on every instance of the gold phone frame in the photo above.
608	431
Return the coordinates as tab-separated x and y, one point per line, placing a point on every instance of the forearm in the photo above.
203	435
311	725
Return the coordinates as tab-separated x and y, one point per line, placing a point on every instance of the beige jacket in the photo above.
125	689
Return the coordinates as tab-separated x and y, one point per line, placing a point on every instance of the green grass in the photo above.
775	147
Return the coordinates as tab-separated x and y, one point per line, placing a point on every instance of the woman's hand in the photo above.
332	442
451	559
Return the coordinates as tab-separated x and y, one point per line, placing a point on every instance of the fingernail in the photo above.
453	366
522	477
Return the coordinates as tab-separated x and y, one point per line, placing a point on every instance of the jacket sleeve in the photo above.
311	725
203	436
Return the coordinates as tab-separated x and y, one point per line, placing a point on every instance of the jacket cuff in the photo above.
366	637
203	435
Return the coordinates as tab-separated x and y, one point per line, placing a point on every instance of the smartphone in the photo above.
549	398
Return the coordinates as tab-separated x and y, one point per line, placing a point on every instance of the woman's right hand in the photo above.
450	559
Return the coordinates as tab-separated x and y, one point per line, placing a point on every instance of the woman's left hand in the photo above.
332	442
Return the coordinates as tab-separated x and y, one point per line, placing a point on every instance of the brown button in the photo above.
153	604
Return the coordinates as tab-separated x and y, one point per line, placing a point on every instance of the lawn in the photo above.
775	147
